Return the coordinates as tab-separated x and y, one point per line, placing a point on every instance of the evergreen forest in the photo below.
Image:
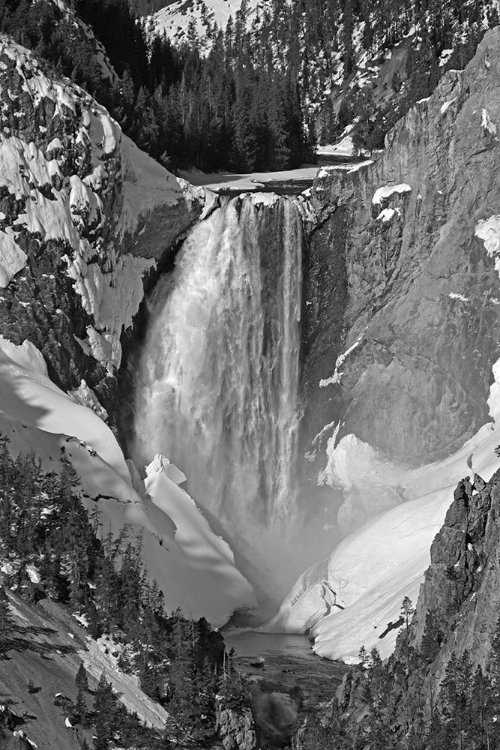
259	94
46	534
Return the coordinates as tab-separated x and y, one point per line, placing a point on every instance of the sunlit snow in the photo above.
192	565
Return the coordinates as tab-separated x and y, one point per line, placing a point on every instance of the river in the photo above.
288	661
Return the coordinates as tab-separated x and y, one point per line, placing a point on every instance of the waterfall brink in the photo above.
218	380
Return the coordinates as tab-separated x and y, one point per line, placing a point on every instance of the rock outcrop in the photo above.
84	216
401	274
236	729
461	590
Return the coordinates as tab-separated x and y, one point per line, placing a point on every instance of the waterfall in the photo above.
218	379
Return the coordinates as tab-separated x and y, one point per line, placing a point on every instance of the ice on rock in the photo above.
386	215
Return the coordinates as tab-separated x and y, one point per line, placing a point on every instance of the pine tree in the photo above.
81	678
104	710
79	713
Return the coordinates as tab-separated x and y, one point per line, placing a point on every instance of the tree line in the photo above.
233	109
46	532
270	85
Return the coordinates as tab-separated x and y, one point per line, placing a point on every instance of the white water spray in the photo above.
218	380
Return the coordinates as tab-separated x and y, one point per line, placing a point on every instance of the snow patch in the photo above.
146	186
386	215
487	123
201	564
344	147
26	355
455	295
193	566
98	661
33	574
385	192
488	230
336	377
446	106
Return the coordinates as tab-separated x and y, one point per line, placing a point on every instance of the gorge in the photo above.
309	362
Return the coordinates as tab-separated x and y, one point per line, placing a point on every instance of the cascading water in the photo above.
217	385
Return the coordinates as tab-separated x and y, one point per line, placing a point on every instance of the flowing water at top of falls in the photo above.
217	385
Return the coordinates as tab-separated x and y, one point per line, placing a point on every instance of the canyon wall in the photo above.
84	216
398	275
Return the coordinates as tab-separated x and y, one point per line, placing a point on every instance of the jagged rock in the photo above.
462	584
236	729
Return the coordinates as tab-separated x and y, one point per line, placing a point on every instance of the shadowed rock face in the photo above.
461	591
417	384
461	586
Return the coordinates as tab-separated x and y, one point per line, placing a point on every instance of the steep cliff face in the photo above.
456	612
399	277
84	216
461	587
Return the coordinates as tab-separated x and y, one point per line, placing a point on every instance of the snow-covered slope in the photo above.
54	646
355	597
193	566
181	19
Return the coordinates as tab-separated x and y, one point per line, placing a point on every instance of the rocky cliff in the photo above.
460	593
401	318
455	622
84	216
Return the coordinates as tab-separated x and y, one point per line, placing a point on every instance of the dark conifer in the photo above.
6	620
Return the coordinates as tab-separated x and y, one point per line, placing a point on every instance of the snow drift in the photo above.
193	566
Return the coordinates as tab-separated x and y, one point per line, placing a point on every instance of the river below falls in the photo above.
288	662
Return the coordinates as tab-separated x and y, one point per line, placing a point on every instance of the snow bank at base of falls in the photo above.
353	599
193	566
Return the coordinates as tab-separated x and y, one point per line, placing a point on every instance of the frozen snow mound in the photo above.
355	599
192	565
